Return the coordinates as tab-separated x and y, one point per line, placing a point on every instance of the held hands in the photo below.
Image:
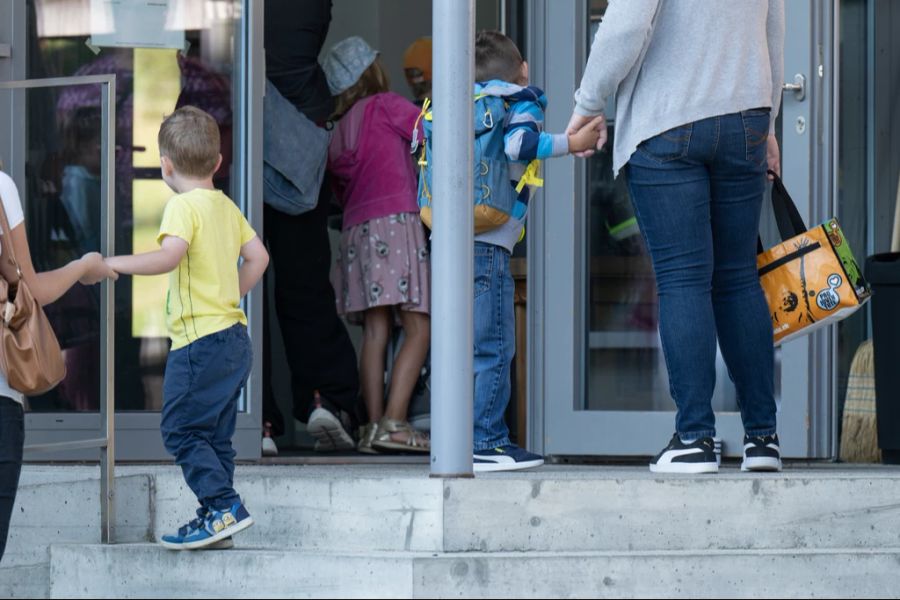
95	269
586	134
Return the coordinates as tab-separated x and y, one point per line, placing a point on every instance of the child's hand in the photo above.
579	125
588	137
96	269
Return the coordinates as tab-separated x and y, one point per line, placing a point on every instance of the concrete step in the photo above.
148	571
62	505
556	509
562	509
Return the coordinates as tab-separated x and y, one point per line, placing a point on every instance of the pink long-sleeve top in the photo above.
373	173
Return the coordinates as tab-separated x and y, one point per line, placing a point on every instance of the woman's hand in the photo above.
587	137
773	156
95	269
579	122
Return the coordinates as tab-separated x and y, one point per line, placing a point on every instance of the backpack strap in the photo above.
531	176
426	114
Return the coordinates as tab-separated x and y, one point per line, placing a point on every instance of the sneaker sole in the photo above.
328	432
494	467
226	544
225	533
685	468
763	463
211	541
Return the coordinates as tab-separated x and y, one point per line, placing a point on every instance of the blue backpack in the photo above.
495	198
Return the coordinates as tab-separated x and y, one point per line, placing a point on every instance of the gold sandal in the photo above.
416	441
366	435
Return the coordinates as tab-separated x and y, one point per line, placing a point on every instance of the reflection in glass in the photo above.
62	176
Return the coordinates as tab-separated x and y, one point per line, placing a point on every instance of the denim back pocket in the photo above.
669	145
756	134
484	268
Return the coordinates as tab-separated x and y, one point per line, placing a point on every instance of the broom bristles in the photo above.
859	432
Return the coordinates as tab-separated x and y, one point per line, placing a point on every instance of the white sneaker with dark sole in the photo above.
761	453
697	457
328	432
268	447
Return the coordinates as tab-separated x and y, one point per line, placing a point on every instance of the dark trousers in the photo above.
318	348
12	439
201	390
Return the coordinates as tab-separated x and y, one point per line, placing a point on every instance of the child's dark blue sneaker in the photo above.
215	527
505	458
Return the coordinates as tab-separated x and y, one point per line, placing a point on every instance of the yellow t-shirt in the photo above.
204	293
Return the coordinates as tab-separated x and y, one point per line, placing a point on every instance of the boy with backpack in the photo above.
509	143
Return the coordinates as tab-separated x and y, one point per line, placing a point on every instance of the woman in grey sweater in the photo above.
697	87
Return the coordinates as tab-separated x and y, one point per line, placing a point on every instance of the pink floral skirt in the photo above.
383	262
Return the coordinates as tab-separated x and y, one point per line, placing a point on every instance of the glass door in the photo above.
600	379
160	56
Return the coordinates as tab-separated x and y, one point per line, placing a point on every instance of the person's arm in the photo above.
172	250
256	259
620	38
775	41
401	115
49	286
523	139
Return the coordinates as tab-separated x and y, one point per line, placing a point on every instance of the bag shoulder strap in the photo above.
787	217
7	240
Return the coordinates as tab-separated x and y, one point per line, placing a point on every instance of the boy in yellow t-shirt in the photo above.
201	238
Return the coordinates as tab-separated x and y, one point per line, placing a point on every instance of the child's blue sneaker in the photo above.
505	458
217	525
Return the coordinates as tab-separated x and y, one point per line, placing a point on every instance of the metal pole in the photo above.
107	326
452	244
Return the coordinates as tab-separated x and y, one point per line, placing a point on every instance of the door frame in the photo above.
139	437
558	336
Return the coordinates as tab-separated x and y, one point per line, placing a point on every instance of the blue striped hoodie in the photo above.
524	141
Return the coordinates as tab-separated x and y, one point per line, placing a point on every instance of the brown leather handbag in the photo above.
30	356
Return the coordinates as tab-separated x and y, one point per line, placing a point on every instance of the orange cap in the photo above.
418	56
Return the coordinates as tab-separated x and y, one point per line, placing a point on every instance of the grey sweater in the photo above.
672	62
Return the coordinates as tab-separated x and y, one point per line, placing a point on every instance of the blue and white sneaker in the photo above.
505	458
215	527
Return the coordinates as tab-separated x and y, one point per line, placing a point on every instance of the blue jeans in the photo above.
201	389
495	343
697	191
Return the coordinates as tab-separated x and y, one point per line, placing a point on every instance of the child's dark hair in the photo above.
496	57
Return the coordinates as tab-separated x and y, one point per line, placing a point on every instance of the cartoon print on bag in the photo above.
806	292
829	299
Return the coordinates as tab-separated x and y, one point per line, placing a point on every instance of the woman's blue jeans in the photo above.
697	191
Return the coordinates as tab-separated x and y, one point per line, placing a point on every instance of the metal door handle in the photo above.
5	51
798	87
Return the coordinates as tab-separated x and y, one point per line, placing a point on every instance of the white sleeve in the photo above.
11	202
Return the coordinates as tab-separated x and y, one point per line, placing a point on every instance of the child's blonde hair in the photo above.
189	137
374	80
